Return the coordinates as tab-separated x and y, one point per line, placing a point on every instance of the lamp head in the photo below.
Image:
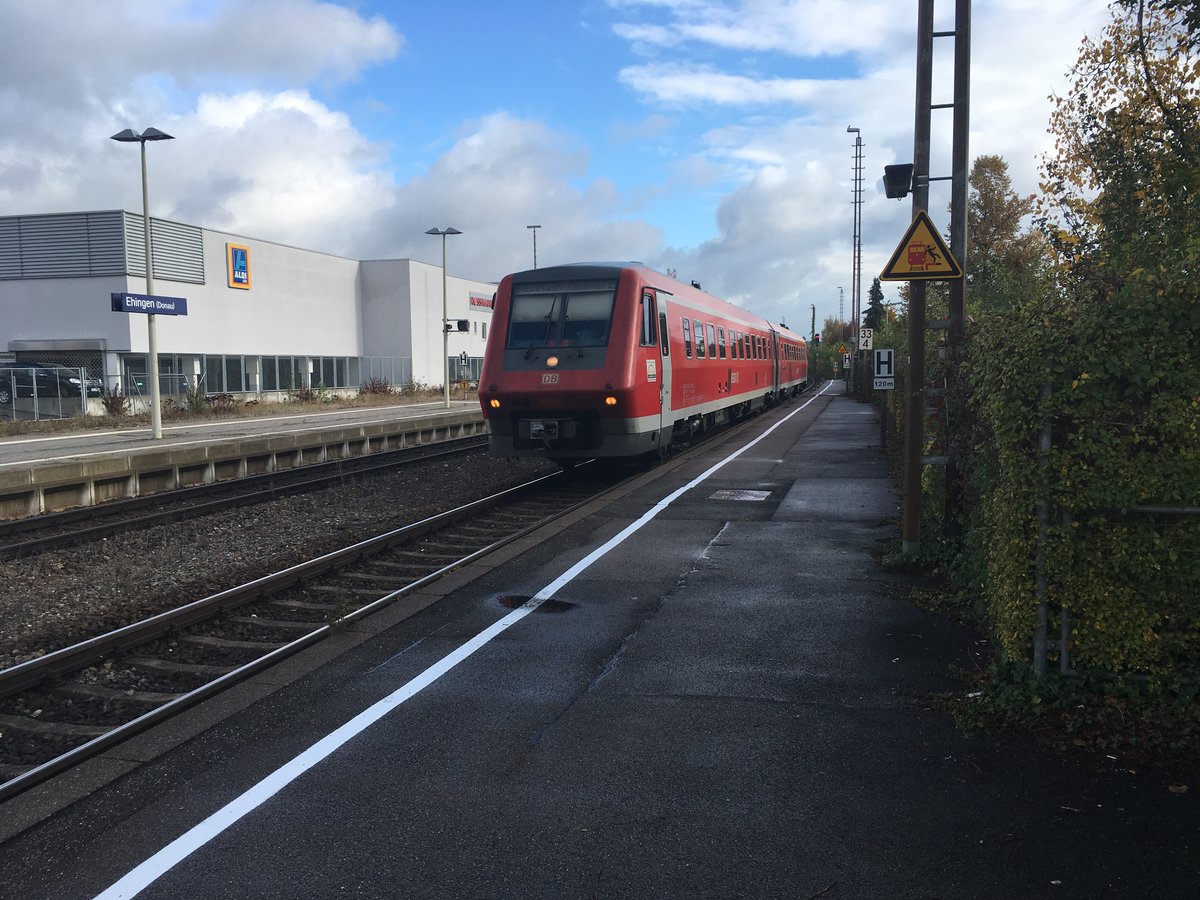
129	136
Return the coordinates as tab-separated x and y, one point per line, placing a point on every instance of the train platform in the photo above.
50	472
701	686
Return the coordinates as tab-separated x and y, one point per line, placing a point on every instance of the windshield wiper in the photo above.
550	319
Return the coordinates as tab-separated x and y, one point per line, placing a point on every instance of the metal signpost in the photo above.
884	380
151	305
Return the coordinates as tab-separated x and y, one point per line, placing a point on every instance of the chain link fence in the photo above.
46	392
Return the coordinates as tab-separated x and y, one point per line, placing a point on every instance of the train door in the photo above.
654	333
774	345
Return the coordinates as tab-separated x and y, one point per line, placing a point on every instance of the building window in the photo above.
234	374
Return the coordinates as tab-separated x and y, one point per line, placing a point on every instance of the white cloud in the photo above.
745	115
784	224
672	83
502	174
79	72
791	27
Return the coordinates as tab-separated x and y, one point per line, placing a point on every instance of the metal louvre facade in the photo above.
83	245
178	249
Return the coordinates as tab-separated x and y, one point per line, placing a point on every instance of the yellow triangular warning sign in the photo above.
922	255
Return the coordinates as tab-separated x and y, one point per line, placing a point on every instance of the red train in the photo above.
617	360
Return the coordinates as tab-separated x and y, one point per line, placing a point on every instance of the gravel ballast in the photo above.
58	598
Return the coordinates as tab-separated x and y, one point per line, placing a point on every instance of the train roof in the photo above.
692	292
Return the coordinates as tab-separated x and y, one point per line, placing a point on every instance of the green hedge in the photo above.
1124	414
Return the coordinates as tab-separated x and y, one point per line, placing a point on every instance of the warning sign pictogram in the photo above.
922	255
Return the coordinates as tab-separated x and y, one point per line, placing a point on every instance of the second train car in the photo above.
616	360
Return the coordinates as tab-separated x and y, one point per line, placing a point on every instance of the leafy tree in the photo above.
1003	260
1123	186
1189	10
835	331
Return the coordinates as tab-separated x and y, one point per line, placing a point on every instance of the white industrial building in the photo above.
261	317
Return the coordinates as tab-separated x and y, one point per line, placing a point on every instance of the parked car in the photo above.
46	381
93	385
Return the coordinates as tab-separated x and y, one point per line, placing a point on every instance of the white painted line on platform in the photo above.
366	410
152	444
182	847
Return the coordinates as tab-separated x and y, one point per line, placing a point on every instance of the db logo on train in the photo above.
549	378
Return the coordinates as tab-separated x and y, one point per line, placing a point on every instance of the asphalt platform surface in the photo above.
734	701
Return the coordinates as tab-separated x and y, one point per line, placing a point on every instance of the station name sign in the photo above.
150	304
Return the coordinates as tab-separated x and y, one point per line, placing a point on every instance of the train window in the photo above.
721	342
561	313
699	339
712	340
687	338
649	334
732	344
662	333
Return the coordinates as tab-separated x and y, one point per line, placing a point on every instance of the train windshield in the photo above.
561	314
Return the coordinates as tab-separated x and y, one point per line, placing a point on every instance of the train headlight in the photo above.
551	361
494	403
610	400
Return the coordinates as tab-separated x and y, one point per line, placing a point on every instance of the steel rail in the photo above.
30	673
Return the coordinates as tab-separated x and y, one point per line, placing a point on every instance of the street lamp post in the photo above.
534	228
445	315
129	136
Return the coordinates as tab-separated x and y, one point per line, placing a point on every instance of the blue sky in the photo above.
707	136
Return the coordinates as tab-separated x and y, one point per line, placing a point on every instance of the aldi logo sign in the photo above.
237	263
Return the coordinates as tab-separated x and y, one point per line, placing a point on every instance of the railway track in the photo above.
36	534
69	705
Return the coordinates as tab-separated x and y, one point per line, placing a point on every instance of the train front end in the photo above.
557	379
